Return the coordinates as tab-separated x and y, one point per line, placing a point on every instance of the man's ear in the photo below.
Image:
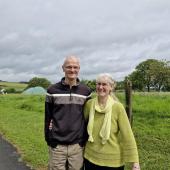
63	68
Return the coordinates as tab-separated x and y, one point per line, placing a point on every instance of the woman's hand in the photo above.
135	166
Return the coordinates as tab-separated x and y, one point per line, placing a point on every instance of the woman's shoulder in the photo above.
89	102
117	105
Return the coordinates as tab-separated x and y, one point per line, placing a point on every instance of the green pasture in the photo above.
15	85
22	121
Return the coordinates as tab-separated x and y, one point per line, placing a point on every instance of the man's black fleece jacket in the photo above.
64	109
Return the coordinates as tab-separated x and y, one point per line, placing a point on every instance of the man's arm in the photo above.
48	116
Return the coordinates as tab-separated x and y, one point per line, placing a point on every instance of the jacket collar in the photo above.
63	82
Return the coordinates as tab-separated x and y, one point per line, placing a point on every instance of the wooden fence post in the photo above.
128	97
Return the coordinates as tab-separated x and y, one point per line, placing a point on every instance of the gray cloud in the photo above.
107	36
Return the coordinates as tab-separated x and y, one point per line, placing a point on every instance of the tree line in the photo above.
151	75
148	75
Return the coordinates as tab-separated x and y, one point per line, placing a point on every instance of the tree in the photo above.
151	73
10	90
167	81
120	85
36	81
90	83
145	70
162	75
137	80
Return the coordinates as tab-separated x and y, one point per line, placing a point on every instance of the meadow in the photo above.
22	121
14	85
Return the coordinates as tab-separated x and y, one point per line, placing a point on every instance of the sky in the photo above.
108	36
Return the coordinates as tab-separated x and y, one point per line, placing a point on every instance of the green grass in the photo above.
22	121
152	129
15	85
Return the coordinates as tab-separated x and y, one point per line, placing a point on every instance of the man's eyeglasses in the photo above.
72	67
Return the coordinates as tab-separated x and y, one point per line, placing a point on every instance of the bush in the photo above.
42	82
10	90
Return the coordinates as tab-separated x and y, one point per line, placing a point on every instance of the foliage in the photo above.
10	90
167	81
167	85
151	74
120	85
90	83
36	81
22	121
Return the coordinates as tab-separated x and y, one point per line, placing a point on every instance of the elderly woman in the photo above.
111	141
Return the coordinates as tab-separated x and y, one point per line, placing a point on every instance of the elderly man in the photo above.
64	121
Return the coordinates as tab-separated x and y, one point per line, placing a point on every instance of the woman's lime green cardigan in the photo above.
120	148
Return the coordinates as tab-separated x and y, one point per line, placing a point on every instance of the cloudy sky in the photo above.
107	35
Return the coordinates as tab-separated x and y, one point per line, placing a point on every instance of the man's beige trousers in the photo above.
66	157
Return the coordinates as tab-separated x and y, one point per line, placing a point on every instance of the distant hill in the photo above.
18	86
23	82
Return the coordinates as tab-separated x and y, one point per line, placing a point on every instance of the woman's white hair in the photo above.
108	78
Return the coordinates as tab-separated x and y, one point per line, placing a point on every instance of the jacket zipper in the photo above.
70	94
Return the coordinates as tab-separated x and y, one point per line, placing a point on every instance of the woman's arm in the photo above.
127	140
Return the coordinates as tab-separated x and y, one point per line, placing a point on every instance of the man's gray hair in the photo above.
71	57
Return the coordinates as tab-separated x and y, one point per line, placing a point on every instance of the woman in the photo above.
111	141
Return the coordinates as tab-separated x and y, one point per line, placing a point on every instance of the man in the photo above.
64	120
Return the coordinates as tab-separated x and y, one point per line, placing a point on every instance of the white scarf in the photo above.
106	127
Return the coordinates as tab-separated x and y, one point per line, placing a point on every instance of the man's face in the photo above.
71	69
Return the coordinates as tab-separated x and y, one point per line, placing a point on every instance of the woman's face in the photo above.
103	87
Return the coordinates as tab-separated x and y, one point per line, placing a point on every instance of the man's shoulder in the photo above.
83	86
53	87
84	90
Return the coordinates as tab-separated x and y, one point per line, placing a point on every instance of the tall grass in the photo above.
22	118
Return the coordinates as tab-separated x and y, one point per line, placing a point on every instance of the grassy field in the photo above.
22	117
21	122
152	130
15	85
